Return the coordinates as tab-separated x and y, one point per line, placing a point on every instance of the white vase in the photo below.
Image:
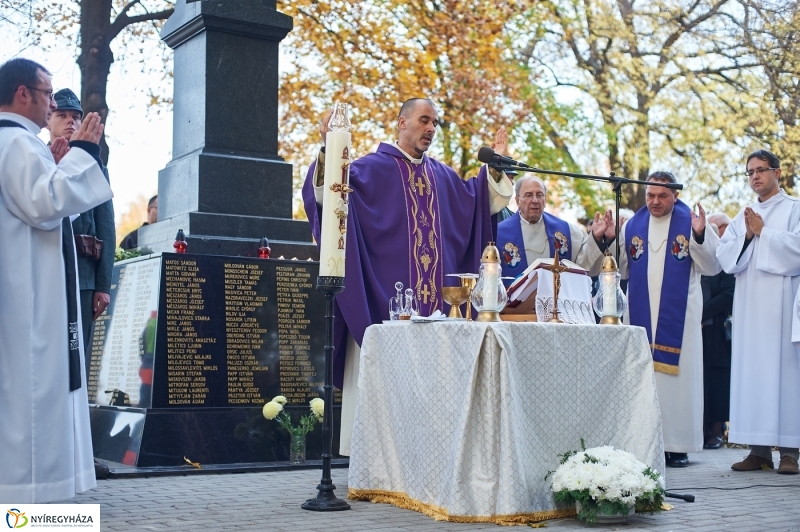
607	519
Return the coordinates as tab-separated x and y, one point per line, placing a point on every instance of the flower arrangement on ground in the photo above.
607	481
274	410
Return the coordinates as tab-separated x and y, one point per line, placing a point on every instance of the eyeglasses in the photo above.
528	196
49	93
759	171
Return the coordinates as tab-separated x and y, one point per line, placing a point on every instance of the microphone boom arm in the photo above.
615	180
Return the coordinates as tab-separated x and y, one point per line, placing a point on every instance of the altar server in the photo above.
45	441
667	249
762	249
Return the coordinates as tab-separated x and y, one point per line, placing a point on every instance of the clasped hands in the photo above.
91	130
753	222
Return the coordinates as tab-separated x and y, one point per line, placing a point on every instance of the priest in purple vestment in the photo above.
410	219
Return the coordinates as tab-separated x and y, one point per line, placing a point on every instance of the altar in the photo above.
462	420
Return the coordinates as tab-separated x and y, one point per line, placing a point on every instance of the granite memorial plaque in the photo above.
190	349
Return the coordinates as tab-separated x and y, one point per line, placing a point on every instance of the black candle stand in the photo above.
326	500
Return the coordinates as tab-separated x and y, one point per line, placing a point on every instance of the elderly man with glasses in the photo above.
531	233
761	247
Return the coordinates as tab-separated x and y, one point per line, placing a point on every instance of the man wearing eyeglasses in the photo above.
45	443
761	247
531	233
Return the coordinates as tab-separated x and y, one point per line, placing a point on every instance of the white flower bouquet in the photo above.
607	481
274	410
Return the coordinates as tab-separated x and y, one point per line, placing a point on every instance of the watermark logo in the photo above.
16	518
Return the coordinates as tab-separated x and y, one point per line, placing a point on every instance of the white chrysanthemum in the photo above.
281	400
317	407
609	474
271	410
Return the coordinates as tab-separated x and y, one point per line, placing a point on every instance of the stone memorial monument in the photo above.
192	345
226	186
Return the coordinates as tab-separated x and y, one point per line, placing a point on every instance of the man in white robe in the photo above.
45	441
762	249
679	380
530	233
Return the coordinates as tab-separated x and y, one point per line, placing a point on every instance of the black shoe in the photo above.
714	442
677	460
100	470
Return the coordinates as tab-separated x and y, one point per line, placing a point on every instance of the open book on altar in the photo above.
526	285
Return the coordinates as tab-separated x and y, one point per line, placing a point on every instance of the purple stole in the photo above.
666	346
424	233
512	247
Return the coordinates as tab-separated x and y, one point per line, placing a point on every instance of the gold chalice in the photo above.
469	280
455	296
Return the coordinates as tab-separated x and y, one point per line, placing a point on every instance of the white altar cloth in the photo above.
463	420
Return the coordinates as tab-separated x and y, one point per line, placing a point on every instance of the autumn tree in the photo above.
463	54
93	27
652	71
770	31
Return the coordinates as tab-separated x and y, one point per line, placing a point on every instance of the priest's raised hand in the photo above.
603	226
500	144
699	222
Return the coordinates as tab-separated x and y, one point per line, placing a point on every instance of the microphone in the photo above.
488	156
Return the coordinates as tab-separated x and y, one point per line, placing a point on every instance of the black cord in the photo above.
740	488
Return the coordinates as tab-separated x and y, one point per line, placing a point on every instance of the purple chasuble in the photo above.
666	346
409	223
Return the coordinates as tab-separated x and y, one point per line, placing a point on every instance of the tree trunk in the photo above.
95	61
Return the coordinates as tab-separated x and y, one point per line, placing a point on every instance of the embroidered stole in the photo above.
511	244
424	234
666	347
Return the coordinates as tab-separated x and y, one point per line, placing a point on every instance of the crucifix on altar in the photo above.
557	268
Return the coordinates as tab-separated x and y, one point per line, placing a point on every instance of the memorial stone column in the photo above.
226	186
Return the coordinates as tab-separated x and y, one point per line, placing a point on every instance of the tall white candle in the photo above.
608	284
333	233
491	277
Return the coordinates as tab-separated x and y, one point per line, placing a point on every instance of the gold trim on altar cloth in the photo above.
401	500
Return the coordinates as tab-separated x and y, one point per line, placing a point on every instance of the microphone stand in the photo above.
617	183
615	180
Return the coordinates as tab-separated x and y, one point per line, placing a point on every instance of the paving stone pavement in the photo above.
725	500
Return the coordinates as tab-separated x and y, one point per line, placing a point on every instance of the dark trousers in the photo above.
87	324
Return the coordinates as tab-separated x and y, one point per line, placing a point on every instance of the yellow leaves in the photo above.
378	53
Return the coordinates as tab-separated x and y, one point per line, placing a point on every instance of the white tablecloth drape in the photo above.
463	420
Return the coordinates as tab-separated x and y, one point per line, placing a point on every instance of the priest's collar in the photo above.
407	156
14	117
526	222
773	200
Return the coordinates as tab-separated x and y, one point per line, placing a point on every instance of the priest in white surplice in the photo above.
45	440
667	249
762	249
